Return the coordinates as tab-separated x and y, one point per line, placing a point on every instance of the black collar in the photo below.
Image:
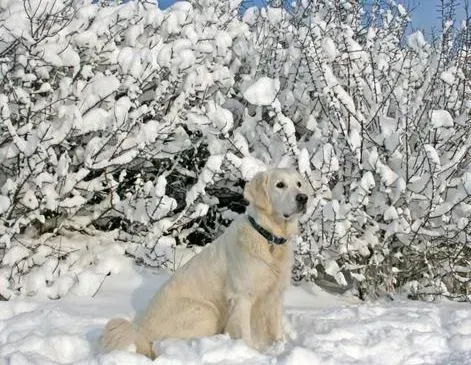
265	233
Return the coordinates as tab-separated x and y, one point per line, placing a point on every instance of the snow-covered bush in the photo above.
141	125
109	114
384	119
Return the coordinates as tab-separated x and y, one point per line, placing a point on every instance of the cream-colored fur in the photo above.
235	285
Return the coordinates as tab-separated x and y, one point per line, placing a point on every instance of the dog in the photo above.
235	285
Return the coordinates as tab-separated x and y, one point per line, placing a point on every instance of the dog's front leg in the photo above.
274	310
267	320
238	323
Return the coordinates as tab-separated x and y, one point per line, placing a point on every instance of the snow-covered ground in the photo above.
329	330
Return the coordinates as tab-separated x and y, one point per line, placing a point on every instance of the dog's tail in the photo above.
121	334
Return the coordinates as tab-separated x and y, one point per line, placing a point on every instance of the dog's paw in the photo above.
288	329
277	348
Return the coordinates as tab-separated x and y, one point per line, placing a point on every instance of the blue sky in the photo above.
425	15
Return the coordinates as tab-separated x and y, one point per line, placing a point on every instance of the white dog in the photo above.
236	284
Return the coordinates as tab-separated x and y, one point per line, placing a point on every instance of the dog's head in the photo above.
282	193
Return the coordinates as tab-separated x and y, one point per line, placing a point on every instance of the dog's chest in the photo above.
278	260
263	261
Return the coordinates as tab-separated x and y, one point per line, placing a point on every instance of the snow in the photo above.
367	181
263	91
16	254
448	77
441	118
87	283
432	154
29	200
221	118
75	201
388	176
212	167
4	203
324	159
323	329
401	10
329	48
248	166
160	186
304	164
390	214
333	269
416	41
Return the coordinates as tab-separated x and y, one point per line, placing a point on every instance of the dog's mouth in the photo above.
299	211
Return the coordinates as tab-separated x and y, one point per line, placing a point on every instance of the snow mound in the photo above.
210	350
301	356
323	329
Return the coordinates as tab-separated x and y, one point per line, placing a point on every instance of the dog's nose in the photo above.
301	199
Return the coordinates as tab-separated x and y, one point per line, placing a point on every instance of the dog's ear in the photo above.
256	191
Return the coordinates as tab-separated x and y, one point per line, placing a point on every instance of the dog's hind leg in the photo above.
182	318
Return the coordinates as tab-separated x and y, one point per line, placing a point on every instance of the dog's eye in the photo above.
280	185
299	184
